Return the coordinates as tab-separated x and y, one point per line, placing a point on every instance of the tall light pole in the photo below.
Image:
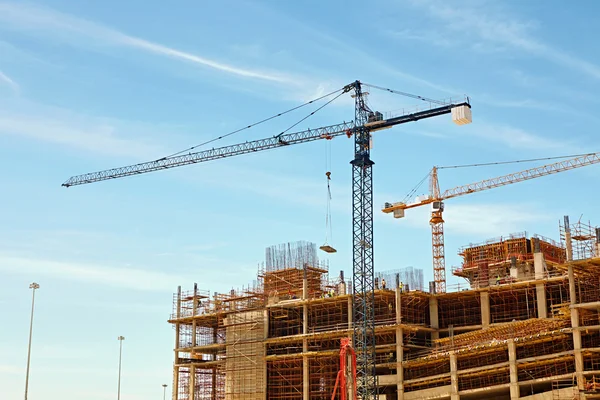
120	338
32	286
164	391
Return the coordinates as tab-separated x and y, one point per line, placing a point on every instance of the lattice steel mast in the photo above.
362	239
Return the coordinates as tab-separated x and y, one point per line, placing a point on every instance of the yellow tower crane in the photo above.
436	199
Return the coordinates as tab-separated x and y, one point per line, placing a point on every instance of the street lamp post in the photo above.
120	338
33	286
164	391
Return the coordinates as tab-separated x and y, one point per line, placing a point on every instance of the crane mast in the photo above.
362	260
365	122
437	236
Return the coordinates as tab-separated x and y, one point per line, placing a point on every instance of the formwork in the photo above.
535	330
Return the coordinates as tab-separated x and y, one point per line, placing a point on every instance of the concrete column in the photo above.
214	370
572	288
194	312
175	384
305	377
305	369
398	306
568	240
350	312
264	361
399	347
539	264
304	284
453	377
399	366
433	317
485	308
514	376
577	347
192	382
177	331
576	331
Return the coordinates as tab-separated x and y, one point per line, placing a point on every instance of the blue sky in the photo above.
86	86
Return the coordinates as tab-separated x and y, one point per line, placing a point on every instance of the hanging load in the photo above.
327	248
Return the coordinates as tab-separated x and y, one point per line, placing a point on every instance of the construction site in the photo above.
524	325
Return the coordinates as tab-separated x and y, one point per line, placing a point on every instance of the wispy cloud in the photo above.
530	104
129	278
476	219
509	136
336	46
482	20
63	127
517	138
10	369
548	85
428	36
8	81
492	219
182	55
72	29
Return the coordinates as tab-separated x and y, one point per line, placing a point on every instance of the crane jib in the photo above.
308	135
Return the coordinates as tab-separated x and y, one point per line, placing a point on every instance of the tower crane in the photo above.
365	122
436	199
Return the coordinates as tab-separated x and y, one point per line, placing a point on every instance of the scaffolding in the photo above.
279	338
584	239
506	259
409	278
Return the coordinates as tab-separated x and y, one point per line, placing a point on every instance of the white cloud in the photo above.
338	46
490	25
174	53
492	219
8	81
475	219
130	278
92	134
10	369
517	138
97	139
428	36
536	105
72	30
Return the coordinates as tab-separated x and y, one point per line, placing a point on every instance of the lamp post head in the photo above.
34	286
164	385
121	338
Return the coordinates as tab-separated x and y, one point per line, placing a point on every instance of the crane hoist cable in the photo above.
414	190
328	225
312	113
342	90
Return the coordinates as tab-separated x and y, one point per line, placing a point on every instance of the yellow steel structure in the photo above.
436	198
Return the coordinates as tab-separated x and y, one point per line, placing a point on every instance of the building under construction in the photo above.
525	325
